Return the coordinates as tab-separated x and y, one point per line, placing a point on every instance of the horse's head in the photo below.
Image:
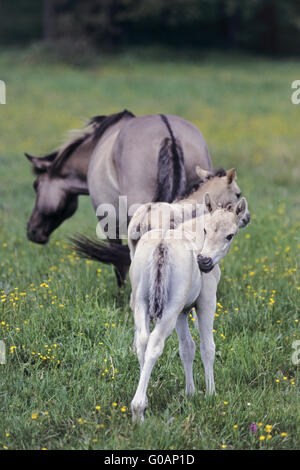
220	227
55	201
223	188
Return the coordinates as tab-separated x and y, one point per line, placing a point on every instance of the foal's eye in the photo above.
35	185
204	231
238	195
229	237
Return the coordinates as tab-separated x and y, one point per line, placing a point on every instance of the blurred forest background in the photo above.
269	26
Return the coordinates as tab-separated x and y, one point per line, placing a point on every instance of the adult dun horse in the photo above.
146	158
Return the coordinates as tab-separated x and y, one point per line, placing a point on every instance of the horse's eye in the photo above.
229	237
204	231
238	195
35	185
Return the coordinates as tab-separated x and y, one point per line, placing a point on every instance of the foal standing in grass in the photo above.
166	283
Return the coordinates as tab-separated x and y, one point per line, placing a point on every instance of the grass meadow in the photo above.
70	373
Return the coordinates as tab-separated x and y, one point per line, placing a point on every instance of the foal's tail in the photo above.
171	176
159	281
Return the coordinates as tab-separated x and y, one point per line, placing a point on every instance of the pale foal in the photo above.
166	283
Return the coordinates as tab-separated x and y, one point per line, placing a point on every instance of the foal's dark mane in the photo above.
99	125
219	172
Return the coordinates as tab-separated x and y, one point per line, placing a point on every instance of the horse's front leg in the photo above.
206	307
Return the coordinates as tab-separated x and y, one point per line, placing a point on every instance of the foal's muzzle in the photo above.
205	263
245	220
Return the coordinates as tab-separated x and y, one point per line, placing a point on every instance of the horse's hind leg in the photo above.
186	350
121	272
206	306
120	268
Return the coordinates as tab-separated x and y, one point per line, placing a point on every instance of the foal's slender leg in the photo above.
155	346
186	350
206	306
142	330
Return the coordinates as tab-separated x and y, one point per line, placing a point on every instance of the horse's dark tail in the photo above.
117	255
171	176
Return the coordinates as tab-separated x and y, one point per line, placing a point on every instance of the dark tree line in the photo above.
270	26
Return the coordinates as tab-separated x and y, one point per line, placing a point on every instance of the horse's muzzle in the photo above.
205	263
36	236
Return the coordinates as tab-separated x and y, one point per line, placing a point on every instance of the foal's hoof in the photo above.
210	394
190	390
137	418
138	410
137	414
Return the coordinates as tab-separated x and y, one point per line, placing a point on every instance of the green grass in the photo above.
68	333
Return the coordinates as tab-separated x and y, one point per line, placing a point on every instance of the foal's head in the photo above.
220	227
55	201
222	187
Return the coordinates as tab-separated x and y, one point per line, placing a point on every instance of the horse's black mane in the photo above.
100	124
219	172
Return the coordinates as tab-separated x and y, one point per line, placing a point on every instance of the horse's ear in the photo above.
202	173
209	203
30	157
38	163
241	207
231	175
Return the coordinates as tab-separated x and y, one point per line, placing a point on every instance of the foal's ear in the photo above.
241	207
209	203
231	175
201	172
39	163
